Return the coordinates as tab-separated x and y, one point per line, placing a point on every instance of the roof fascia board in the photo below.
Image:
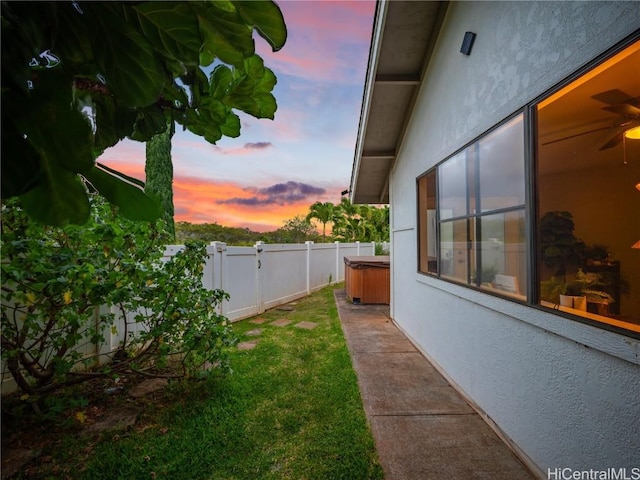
374	55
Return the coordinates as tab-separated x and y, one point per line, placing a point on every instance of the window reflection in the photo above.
491	172
503	252
453	250
453	186
501	167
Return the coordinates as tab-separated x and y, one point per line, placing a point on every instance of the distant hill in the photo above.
210	232
213	232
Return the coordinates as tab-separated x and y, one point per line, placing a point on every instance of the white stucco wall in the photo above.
567	394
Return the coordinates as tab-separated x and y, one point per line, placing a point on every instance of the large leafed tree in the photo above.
78	77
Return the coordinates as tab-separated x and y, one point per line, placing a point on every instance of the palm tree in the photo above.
353	229
324	213
347	208
375	223
346	224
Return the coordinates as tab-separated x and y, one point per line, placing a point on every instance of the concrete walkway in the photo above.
423	428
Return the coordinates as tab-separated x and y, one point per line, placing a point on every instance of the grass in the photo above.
291	409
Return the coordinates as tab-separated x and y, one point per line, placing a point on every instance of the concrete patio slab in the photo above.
148	386
247	345
121	418
423	428
389	364
436	447
355	313
404	384
283	322
258	320
376	336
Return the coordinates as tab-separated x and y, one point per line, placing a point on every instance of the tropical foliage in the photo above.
210	232
78	77
62	286
324	213
295	230
363	223
349	223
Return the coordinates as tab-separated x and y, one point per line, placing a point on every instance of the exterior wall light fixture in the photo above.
467	43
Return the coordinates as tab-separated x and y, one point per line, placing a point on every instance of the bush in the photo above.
61	287
381	249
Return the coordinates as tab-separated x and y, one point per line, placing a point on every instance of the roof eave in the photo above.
391	89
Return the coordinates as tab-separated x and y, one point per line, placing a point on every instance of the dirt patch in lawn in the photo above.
32	443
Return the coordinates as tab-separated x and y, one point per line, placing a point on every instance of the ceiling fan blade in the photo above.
612	97
624	109
613	141
618	133
577	135
634	101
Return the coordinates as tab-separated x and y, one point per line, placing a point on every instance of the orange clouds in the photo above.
226	203
203	200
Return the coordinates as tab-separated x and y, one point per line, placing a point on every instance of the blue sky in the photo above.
276	169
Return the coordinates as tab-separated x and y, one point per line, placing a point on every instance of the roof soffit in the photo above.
407	33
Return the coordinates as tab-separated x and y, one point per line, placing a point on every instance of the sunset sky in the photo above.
276	169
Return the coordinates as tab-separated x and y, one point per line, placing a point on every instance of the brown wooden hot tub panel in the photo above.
367	279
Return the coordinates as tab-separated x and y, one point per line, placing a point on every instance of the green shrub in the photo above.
60	286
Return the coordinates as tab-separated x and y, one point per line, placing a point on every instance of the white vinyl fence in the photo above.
256	278
267	275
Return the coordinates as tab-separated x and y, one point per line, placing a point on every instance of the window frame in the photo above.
531	207
472	218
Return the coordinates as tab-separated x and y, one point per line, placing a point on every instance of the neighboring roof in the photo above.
403	36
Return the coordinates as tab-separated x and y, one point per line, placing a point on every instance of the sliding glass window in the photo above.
473	225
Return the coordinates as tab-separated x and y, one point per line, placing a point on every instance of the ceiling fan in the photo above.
620	103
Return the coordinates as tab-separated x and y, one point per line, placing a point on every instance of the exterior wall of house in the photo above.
567	394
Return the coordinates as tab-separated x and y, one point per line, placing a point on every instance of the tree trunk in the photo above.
159	173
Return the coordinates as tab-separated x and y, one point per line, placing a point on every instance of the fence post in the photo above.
208	274
337	276
259	300
358	248
217	260
309	243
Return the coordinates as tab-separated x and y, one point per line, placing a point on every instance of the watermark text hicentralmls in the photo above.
612	473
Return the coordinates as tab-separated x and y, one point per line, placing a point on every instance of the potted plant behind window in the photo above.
572	295
559	247
576	293
588	285
597	254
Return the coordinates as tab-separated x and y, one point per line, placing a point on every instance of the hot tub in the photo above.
367	279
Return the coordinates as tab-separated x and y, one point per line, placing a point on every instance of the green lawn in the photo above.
291	409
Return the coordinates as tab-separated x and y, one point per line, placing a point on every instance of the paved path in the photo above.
423	428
